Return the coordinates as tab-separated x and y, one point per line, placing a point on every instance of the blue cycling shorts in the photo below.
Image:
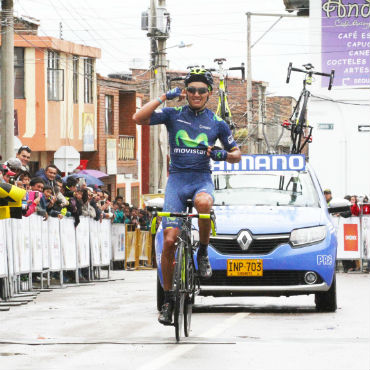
180	187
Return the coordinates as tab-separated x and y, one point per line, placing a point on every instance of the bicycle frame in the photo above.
223	108
300	130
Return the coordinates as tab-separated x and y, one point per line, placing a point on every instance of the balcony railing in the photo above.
126	148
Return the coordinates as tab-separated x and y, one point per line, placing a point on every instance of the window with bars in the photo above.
18	73
55	77
109	114
75	79
88	80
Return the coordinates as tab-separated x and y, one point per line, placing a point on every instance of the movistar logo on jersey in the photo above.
188	141
262	162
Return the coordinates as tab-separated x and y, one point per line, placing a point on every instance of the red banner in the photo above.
350	237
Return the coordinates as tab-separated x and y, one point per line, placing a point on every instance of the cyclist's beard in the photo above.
197	109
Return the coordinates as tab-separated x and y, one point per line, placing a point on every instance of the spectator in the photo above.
24	155
7	175
63	202
365	207
15	165
143	220
37	188
87	209
74	209
29	206
54	208
119	200
93	203
25	178
328	196
49	175
134	218
127	216
119	216
355	209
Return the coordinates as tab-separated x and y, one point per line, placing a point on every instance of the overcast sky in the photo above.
215	28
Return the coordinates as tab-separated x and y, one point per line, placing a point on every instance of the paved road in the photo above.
112	325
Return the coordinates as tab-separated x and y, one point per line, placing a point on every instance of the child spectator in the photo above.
25	178
52	207
37	188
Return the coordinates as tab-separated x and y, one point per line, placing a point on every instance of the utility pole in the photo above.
158	33
153	150
249	82
7	80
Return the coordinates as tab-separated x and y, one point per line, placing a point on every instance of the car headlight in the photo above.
308	235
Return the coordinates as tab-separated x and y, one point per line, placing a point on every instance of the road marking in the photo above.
178	351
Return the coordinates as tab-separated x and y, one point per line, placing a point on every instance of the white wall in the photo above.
340	157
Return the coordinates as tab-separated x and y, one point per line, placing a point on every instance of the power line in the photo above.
339	101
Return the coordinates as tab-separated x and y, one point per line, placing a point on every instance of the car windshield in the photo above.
290	188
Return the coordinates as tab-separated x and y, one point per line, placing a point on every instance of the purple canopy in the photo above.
94	173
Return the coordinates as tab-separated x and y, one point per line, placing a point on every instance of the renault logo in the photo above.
244	239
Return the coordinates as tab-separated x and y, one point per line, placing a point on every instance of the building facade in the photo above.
55	101
340	152
119	141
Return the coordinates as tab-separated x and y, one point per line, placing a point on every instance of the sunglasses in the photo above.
200	90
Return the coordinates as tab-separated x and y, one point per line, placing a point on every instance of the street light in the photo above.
180	46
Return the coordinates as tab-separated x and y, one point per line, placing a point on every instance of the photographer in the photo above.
7	175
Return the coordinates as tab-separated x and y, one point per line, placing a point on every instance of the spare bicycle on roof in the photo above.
297	124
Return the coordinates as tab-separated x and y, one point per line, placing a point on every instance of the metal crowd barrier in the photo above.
353	235
32	247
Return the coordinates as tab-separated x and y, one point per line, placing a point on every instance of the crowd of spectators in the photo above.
359	205
49	195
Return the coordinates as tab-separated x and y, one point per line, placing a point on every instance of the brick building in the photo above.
279	109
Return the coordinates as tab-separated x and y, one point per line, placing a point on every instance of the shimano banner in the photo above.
264	162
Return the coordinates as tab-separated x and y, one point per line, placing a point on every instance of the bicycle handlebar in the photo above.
184	215
310	73
241	68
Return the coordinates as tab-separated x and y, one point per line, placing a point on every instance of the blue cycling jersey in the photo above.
190	133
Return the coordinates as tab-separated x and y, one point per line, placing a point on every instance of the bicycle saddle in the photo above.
308	66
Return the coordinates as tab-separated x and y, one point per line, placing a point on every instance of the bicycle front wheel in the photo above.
179	288
190	291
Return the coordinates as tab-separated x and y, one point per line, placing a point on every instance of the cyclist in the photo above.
193	130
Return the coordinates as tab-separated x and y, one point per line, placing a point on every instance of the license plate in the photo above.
246	267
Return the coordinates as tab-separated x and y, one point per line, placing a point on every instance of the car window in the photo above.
266	188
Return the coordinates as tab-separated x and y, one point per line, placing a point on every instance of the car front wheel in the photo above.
327	301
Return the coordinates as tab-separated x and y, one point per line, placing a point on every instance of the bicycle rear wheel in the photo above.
179	288
190	291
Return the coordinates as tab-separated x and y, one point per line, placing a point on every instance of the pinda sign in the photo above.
350	232
345	44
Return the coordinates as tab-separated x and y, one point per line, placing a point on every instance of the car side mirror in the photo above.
338	205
